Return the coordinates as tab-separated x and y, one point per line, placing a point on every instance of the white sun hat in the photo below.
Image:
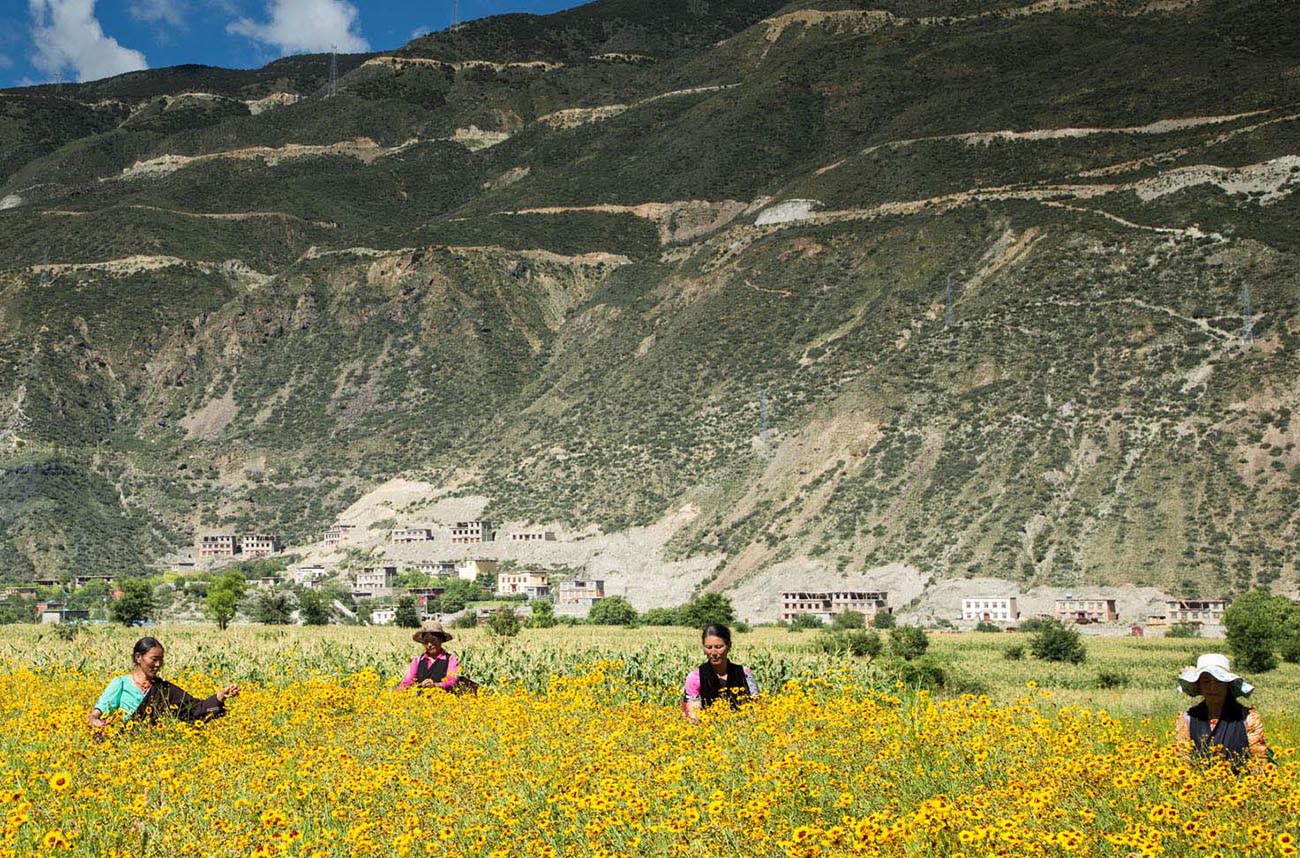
1216	665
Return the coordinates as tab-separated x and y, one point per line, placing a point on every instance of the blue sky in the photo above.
75	40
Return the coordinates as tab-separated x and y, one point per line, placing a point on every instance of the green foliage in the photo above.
1112	679
660	617
612	611
543	614
1034	624
1183	630
706	608
1055	641
407	615
272	607
855	642
883	620
135	604
503	623
224	595
1015	652
908	642
1256	624
806	621
985	626
457	595
850	620
314	608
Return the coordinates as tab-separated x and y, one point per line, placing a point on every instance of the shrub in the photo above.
1256	623
1015	652
924	672
659	617
908	642
612	611
806	621
986	626
1055	641
503	623
1112	679
883	620
1183	630
1034	624
850	620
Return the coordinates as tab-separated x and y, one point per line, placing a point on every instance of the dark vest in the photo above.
735	689
1228	736
437	670
165	699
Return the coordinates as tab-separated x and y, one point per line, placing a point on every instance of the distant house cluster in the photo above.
826	605
233	545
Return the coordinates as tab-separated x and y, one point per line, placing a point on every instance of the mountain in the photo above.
807	291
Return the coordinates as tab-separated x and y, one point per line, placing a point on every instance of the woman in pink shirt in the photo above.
435	667
718	678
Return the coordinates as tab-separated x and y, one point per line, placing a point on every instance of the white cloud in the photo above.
421	30
169	12
5	62
305	26
67	35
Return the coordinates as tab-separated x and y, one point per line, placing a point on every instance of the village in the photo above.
423	574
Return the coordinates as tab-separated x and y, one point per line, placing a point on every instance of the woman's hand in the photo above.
428	683
228	692
97	722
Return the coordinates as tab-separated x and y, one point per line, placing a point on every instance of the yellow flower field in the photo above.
339	764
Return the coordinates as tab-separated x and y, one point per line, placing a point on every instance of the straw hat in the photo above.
1216	665
431	629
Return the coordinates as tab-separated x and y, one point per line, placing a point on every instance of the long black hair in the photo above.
147	643
717	630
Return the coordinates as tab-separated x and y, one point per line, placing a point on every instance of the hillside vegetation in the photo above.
1016	282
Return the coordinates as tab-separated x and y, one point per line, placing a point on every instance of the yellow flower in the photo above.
59	781
56	839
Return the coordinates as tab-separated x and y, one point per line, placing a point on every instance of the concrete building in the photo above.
990	609
434	568
218	545
383	616
533	536
377	580
580	593
1089	609
338	535
825	605
469	570
1199	611
259	545
531	584
471	532
308	576
407	535
53	615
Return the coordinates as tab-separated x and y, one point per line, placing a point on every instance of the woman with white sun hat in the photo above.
1220	726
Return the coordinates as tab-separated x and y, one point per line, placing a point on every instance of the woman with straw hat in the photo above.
1220	726
435	667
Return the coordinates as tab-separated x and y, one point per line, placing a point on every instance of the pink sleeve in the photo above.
409	679
691	690
453	672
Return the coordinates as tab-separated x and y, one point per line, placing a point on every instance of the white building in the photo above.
826	605
308	576
469	570
338	535
471	532
990	609
383	616
407	535
531	584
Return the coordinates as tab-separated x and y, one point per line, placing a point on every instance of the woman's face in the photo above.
432	646
1211	689
151	663
716	649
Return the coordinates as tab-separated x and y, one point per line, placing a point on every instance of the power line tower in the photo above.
947	304
455	12
762	415
334	71
1247	316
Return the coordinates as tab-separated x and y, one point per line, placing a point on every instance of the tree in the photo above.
1055	641
503	623
543	615
272	607
135	604
908	642
806	621
850	620
314	608
1256	623
660	617
883	620
986	626
223	597
612	611
706	608
458	594
406	616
